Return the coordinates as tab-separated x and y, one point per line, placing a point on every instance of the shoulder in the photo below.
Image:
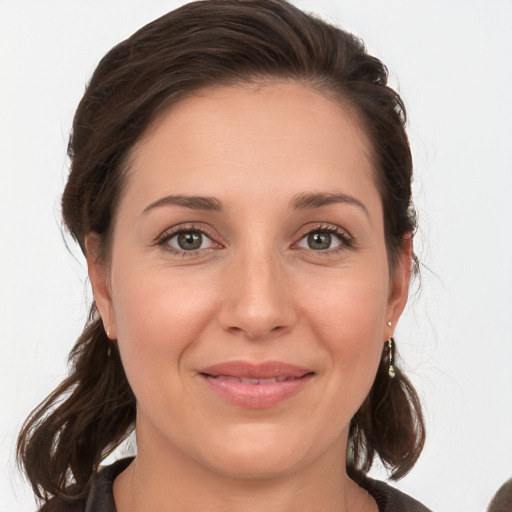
390	499
97	496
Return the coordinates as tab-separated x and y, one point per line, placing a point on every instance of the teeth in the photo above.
228	377
250	381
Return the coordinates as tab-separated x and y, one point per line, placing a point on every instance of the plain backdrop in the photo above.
451	60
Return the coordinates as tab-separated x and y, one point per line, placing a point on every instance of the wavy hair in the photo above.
202	44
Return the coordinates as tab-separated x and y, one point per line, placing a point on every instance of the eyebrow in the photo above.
193	202
308	201
304	201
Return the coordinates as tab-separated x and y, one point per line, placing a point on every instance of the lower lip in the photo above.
256	396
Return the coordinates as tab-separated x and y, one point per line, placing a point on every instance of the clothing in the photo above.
99	497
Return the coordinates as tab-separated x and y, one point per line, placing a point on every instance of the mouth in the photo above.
250	381
255	385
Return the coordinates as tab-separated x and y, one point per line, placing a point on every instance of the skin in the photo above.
255	290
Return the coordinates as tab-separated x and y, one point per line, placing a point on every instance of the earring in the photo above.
391	357
389	324
110	342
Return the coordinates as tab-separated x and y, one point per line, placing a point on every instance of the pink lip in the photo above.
255	385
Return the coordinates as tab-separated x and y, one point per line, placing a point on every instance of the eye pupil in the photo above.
319	241
190	240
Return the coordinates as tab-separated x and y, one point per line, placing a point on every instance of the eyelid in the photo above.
204	229
343	235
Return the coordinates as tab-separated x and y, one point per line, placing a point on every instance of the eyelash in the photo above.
166	236
345	239
343	236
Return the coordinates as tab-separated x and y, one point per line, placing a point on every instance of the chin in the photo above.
257	464
258	451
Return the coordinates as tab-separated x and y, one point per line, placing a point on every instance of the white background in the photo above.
453	63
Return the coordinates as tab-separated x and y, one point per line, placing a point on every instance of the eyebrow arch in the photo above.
193	202
308	201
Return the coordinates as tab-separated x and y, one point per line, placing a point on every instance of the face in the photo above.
248	284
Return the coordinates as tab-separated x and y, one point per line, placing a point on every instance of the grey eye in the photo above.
189	240
319	241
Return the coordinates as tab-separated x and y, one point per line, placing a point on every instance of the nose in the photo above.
258	301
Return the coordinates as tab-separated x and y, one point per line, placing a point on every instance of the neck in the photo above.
170	481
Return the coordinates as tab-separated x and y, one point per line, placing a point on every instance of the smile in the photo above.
251	381
255	385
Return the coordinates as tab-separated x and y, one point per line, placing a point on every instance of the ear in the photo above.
399	283
99	277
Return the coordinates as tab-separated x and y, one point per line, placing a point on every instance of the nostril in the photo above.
258	333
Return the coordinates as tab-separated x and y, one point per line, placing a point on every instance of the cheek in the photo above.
349	317
157	320
353	306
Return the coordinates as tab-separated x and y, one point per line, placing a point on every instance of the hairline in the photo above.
324	87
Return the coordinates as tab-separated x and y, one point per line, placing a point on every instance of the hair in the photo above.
203	44
502	500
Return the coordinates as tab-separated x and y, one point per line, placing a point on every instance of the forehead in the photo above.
227	137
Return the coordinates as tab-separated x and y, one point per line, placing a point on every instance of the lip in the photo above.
255	385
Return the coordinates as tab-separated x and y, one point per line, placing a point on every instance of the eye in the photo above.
187	240
325	239
320	241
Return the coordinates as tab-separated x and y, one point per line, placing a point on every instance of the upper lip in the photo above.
248	370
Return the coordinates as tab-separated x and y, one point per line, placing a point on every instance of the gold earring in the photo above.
109	351
391	357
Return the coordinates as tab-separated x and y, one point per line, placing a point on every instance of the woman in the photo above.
240	186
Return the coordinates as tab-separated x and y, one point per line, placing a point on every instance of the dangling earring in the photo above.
109	342
391	357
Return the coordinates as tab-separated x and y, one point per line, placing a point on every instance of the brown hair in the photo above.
212	42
